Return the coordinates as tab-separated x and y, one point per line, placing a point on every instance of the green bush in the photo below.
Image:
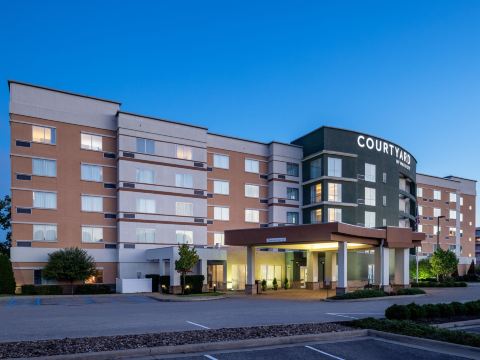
416	311
432	311
459	309
194	283
7	280
42	290
264	285
398	312
286	284
473	307
275	284
360	294
91	289
424	269
410	291
440	284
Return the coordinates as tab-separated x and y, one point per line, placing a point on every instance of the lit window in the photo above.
461	217
43	167
452	231
461	200
92	203
369	219
437	212
420	228
221	213
453	214
44	232
316	193
92	234
292	193
436	229
315	168
334	215
92	172
184	236
370	194
91	142
316	216
184	180
221	161
437	195
292	218
219	239
384	200
334	167
419	192
252	215
183	209
334	192
252	166
184	152
145	235
45	135
221	187
384	177
420	210
384	222
145	176
370	172
292	169
252	191
146	206
44	200
145	146
453	197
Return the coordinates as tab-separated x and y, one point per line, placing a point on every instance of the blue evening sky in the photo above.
408	71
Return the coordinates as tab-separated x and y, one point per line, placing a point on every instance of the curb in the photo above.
377	298
208	347
192	299
456	324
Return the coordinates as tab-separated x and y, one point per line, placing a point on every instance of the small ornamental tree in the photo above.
188	257
444	263
7	281
5	224
471	269
71	264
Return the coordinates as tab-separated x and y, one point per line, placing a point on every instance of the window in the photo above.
44	200
437	195
221	213
453	197
384	222
292	169
145	146
91	142
334	167
221	161
461	217
461	200
221	187
145	176
146	206
384	200
92	172
370	194
184	152
334	192
316	216
334	214
292	193
316	193
45	135
369	219
252	166
43	232
420	210
370	172
419	192
145	235
436	229
252	191
453	214
183	209
292	218
184	180
97	279
252	215
37	277
184	236
452	231
420	228
219	239
452	248
92	203
315	168
92	234
384	177
43	167
437	212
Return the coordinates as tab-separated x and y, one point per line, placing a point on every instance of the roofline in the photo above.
459	177
60	91
353	131
438	177
254	141
160	119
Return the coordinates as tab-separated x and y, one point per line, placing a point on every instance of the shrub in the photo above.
194	283
410	291
432	311
440	284
264	285
459	309
42	290
7	280
286	284
360	294
397	312
416	311
275	284
472	307
424	269
87	289
164	281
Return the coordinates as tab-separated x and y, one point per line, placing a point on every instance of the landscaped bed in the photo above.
124	342
372	293
439	284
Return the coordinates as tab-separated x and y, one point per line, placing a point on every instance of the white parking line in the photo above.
210	357
204	327
345	316
324	353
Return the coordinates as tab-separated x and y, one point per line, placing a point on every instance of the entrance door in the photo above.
239	277
303	277
215	276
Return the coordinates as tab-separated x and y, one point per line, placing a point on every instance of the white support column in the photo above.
402	267
204	272
175	285
382	267
342	285
250	287
312	271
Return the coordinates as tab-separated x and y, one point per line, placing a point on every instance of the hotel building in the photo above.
129	188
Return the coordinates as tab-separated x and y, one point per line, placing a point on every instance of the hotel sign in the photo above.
276	240
401	156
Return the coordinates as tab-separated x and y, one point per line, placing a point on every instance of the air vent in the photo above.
209	196
281	176
209	222
198	220
265	177
129	246
361	201
110	216
360	177
110	246
263	201
198	192
128	185
263	225
281	201
110	155
24	244
209	169
109	186
24	210
129	216
22	143
24	177
198	164
128	154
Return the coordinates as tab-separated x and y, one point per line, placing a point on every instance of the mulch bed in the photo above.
124	342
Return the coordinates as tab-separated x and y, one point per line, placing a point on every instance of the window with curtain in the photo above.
146	205
92	203
91	234
44	200
44	167
146	176
252	191
146	146
44	232
92	172
43	134
91	142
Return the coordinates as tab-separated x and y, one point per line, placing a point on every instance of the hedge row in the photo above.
439	284
372	293
86	289
432	311
410	328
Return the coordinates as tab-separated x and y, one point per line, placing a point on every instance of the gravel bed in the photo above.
124	342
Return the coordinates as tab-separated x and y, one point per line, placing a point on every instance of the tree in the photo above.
444	263
7	280
471	269
424	269
188	257
71	264
5	218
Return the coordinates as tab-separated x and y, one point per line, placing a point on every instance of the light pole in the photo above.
438	230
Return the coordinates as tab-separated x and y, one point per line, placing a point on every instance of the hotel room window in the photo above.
92	234
43	167
370	195
221	213
44	200
184	180
315	168
221	161
420	228
453	197
145	176
334	192
252	215
219	239
369	219
184	152
384	177
453	214
221	187
370	172
384	200
92	203
316	216
316	193
184	236
419	192
252	166
292	193
334	167
292	218
44	135
44	232
420	210
437	212
292	169
183	209
252	191
91	172
145	146
146	206
145	235
91	142
437	195
334	215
